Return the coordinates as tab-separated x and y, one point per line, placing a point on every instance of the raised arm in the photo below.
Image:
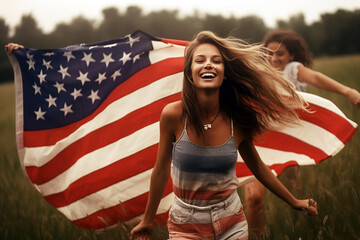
322	81
159	177
268	179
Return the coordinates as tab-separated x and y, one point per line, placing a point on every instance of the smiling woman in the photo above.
224	79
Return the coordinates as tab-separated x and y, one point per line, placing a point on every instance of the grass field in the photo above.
334	183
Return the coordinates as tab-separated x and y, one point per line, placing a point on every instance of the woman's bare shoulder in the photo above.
173	110
171	117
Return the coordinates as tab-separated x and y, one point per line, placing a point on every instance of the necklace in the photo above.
209	125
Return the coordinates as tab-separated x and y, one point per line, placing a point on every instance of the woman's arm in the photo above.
320	80
159	177
268	179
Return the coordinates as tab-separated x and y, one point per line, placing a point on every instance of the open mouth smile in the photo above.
208	75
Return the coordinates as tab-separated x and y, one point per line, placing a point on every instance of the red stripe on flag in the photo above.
122	212
284	142
140	79
322	116
174	41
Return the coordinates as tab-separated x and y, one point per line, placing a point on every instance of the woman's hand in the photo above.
10	47
354	97
142	231
308	206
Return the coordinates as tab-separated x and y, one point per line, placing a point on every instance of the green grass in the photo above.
334	183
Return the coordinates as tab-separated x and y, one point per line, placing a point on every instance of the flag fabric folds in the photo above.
87	126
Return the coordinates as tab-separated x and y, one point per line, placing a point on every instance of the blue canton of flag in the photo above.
65	85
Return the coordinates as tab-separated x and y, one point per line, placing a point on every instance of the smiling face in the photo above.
207	66
279	55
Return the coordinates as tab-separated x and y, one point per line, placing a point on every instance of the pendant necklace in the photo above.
209	125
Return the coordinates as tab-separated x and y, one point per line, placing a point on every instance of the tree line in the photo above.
334	34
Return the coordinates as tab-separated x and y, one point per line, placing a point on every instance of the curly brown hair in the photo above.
251	92
294	43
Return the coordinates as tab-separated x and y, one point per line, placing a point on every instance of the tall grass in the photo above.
334	183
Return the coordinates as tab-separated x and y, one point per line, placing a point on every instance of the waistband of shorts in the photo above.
222	204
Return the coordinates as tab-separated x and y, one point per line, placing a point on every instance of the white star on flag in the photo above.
94	96
51	101
31	63
66	109
137	57
76	93
37	89
69	55
29	56
83	78
101	77
107	59
126	57
47	64
48	54
41	77
116	74
64	72
60	87
133	40
39	114
88	59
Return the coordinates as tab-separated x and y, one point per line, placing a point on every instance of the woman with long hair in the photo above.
230	95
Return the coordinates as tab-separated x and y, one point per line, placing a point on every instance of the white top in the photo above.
291	73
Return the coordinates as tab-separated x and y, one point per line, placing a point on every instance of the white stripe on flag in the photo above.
163	50
271	156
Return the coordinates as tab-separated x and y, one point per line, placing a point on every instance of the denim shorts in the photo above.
224	220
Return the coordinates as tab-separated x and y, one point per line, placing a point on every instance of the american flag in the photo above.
87	126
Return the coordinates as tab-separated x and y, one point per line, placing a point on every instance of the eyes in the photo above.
277	53
203	60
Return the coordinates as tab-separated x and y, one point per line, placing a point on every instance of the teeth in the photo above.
207	75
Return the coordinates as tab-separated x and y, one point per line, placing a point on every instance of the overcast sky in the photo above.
49	12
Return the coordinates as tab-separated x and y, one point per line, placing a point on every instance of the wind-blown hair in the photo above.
293	42
254	94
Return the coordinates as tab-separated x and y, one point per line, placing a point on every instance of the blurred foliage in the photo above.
334	34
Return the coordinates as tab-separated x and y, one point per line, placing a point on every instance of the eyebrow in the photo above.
204	56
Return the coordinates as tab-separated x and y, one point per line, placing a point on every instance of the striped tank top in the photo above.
203	175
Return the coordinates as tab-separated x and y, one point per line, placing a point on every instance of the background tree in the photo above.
79	30
342	31
251	28
28	33
334	34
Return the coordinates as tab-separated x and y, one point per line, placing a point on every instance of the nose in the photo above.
209	65
274	57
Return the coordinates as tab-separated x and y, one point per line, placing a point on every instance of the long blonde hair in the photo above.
254	94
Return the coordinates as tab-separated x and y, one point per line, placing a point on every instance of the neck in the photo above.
209	102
